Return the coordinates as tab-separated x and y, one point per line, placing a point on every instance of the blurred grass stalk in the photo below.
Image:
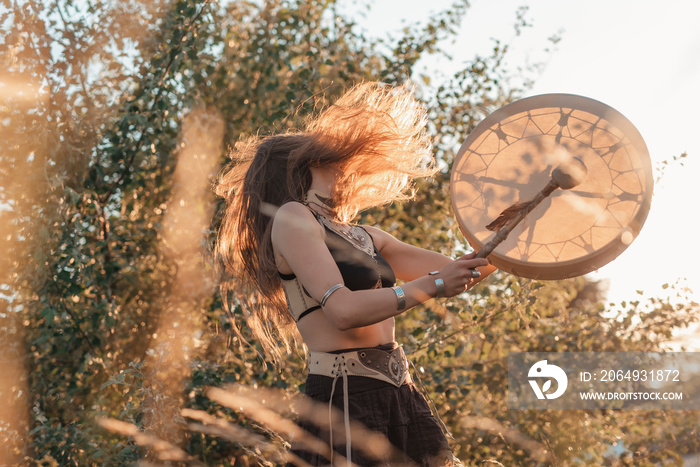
14	415
185	222
276	411
22	184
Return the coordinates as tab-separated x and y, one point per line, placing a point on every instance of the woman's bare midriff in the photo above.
321	336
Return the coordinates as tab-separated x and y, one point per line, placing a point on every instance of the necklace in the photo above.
321	200
356	235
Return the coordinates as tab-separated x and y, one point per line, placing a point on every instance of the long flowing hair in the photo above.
374	135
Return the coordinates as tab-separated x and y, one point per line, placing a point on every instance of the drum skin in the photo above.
510	157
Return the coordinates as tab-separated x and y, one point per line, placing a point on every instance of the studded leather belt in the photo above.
391	367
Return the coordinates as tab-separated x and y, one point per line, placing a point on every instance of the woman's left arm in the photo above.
411	262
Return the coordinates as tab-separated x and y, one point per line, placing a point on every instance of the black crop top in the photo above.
360	271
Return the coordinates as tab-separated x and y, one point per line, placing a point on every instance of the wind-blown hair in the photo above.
374	135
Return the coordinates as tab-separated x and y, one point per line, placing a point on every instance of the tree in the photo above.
96	96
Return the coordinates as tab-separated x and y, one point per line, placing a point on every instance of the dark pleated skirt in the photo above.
401	414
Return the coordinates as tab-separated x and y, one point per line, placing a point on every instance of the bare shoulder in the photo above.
294	229
294	217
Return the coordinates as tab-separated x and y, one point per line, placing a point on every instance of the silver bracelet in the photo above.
440	286
400	297
329	293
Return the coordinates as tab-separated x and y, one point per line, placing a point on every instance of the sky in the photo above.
640	57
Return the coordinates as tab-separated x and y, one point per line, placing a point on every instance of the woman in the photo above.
286	232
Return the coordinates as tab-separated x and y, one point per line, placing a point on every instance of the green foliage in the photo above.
91	131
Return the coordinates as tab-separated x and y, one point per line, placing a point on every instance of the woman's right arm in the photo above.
298	241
